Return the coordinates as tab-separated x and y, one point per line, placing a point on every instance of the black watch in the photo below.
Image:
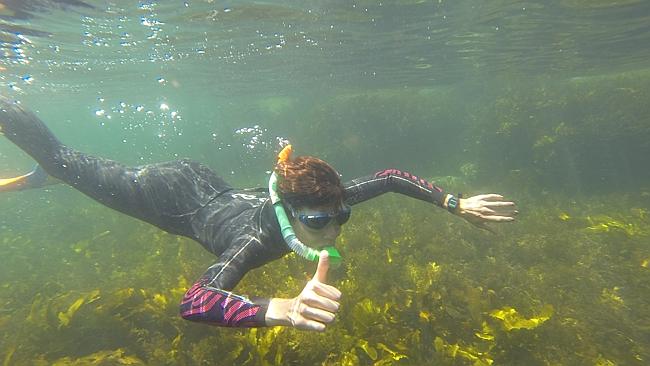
452	202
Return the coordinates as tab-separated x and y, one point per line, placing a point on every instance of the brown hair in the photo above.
309	181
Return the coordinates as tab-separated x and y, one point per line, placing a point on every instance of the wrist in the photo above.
445	201
277	313
452	203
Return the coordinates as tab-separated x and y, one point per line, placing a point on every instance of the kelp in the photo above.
577	135
511	319
605	224
465	353
439	291
567	284
66	316
102	358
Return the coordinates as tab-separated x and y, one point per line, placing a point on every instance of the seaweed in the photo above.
568	283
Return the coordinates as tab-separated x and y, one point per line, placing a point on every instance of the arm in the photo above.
210	302
206	304
477	209
393	180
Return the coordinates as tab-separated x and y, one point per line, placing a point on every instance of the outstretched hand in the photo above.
485	208
317	304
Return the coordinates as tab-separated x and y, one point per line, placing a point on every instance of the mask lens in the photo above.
316	221
319	221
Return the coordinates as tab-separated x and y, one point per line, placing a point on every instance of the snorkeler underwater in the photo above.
354	183
243	228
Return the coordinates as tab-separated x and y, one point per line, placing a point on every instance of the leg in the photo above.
166	195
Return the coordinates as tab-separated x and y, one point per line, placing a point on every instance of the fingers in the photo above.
327	291
313	325
317	315
486	208
323	267
491	207
316	306
302	323
489	197
485	212
305	317
494	218
315	300
500	203
501	208
503	211
492	200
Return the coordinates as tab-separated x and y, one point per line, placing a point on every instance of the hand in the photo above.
314	308
485	208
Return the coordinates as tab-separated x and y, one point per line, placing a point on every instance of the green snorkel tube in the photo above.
285	226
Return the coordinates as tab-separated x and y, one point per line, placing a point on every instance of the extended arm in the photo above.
477	209
393	180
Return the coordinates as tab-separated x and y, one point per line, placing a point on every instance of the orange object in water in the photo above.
285	154
10	184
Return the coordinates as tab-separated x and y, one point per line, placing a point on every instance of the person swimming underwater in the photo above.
303	210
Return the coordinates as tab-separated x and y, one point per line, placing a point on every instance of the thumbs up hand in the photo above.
314	308
318	302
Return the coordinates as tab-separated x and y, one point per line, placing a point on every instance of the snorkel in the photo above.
285	226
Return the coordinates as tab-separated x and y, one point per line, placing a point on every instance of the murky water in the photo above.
543	102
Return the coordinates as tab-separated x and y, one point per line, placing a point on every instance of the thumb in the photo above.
323	267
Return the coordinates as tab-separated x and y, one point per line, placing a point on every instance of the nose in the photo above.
333	230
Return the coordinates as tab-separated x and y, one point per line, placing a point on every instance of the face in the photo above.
316	238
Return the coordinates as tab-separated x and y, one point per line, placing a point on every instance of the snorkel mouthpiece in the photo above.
334	256
285	226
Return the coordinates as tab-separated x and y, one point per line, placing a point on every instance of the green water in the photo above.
546	103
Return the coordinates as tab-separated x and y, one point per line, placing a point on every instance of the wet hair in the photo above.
307	181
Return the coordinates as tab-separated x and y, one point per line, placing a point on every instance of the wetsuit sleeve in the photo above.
392	180
210	301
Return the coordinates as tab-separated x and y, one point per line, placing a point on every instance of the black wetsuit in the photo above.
187	198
